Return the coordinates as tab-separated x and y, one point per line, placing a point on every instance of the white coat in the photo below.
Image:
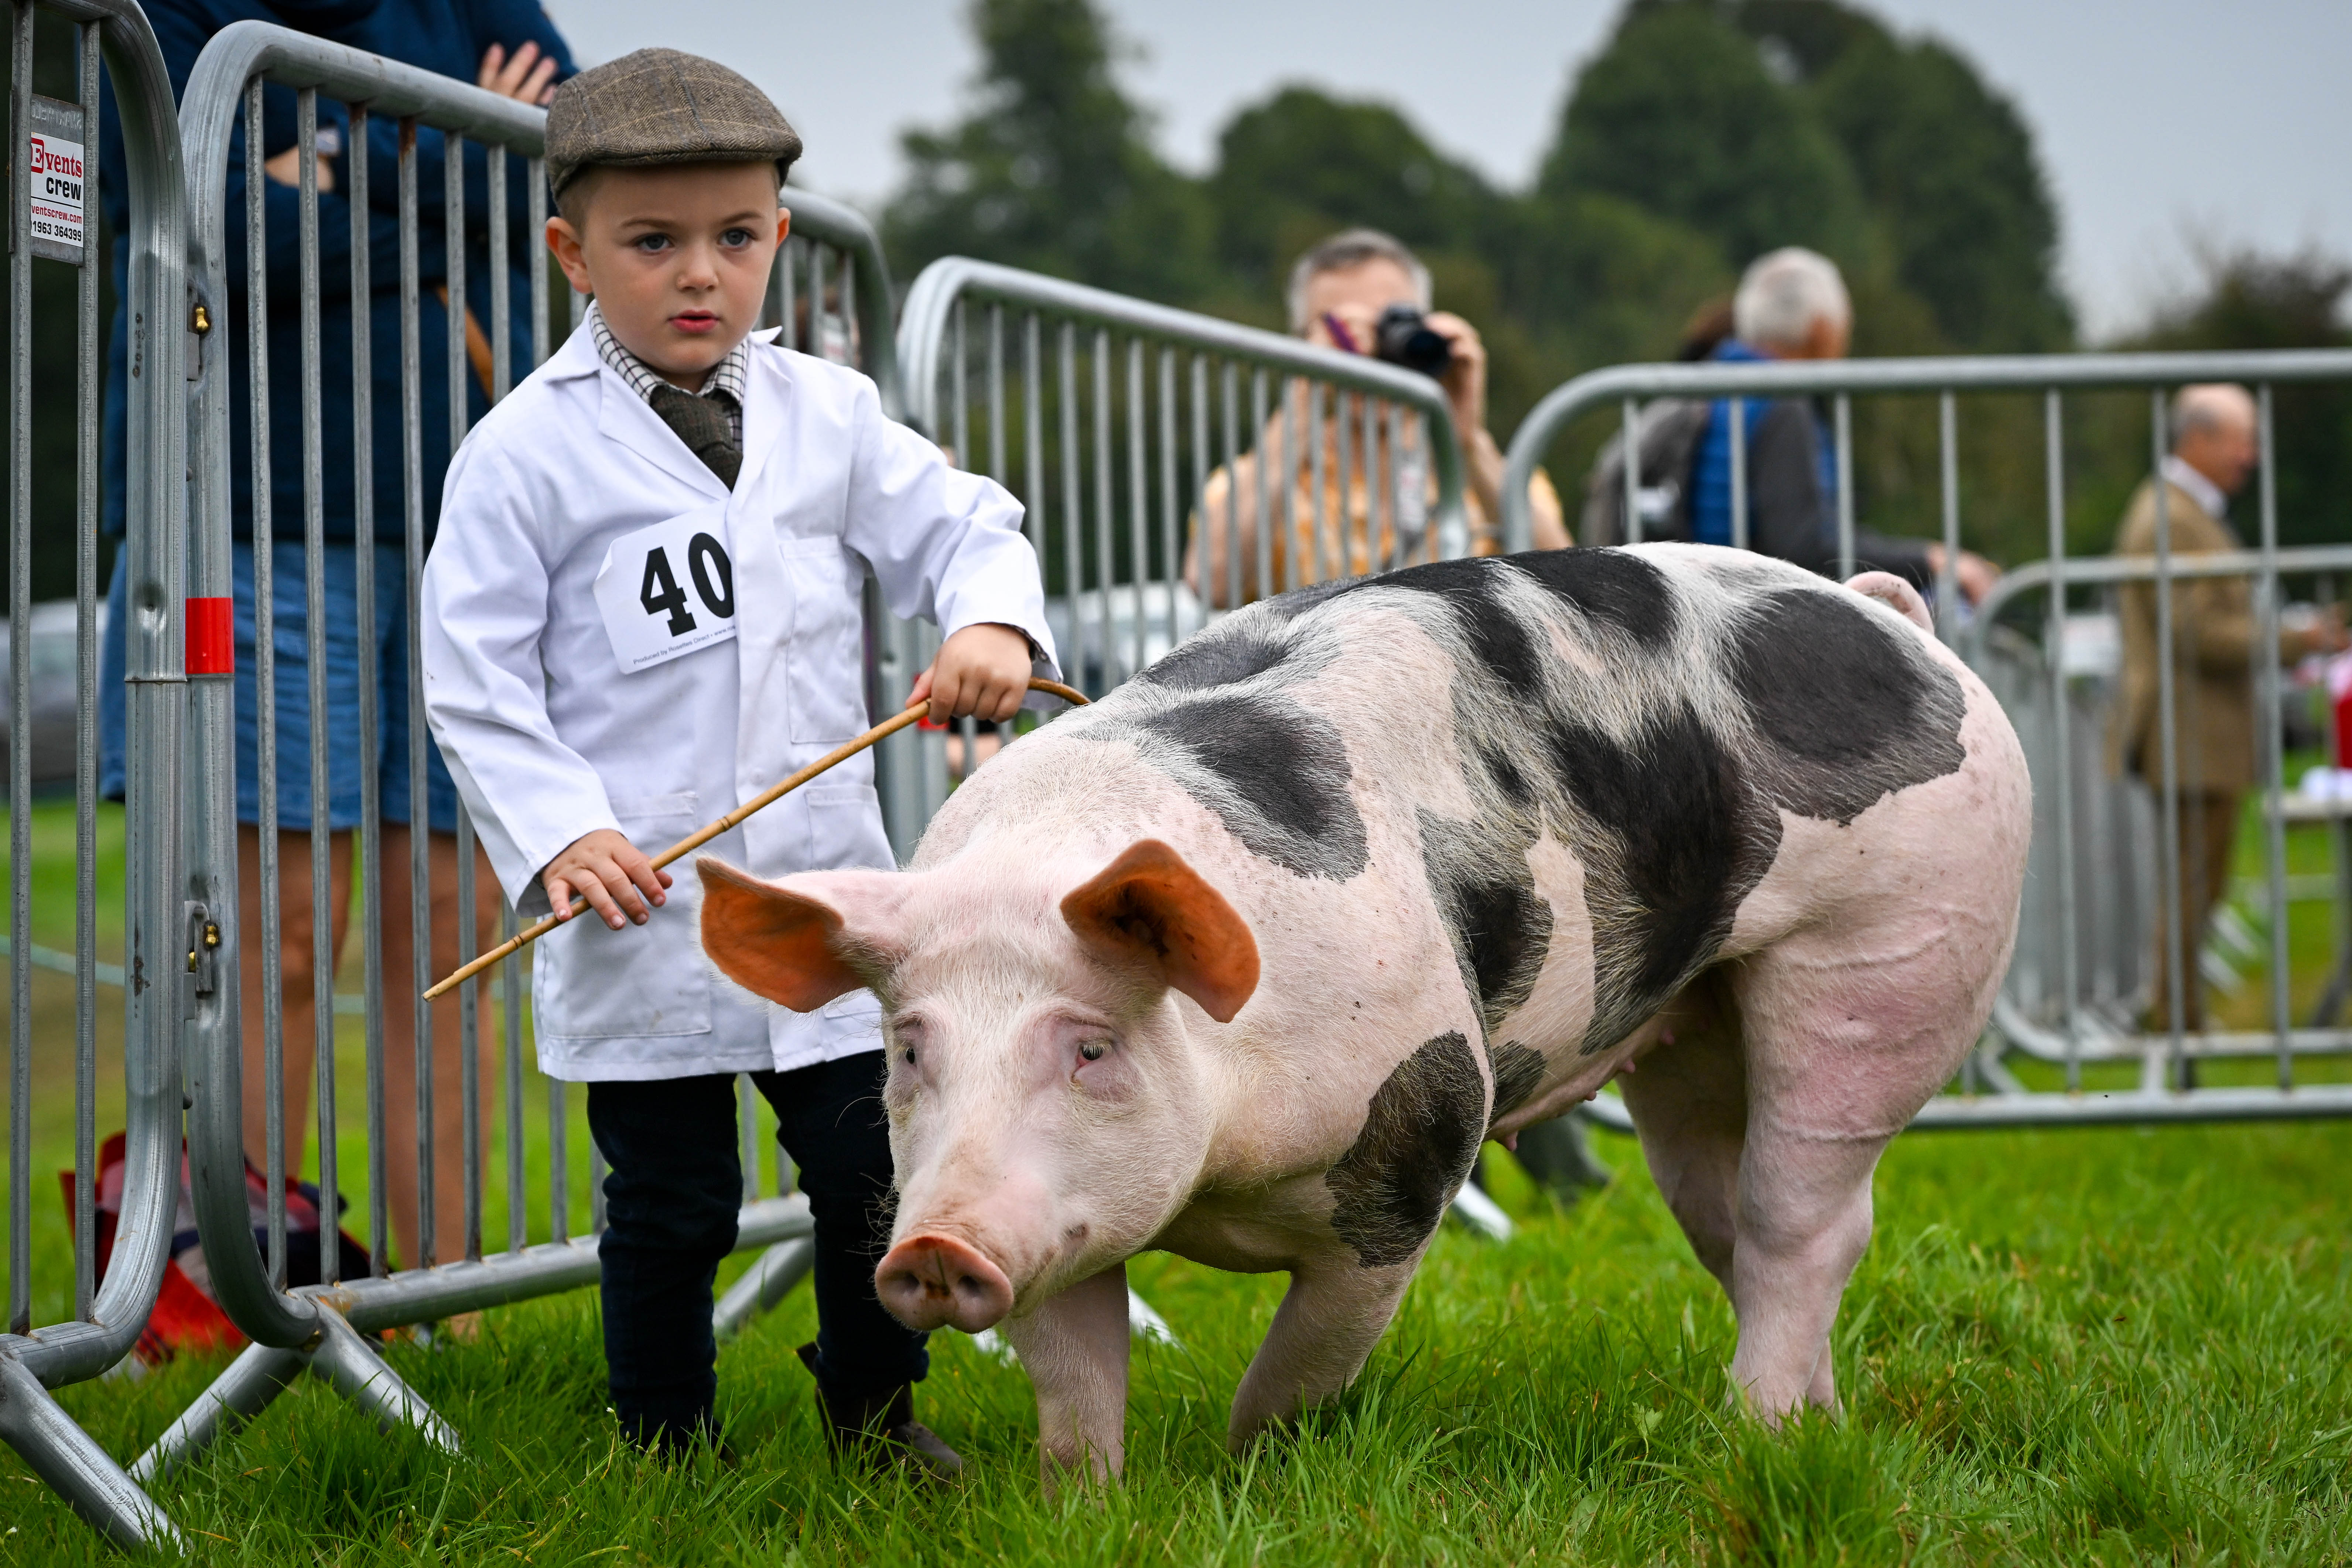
548	740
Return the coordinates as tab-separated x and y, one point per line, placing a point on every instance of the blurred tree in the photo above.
1053	169
1302	164
1679	115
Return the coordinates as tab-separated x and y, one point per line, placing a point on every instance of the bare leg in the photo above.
1074	1348
402	986
1331	1318
297	971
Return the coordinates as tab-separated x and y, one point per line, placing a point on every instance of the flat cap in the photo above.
662	106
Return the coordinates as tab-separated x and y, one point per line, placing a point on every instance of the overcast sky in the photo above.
2159	121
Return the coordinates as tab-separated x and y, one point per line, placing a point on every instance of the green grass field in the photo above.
2107	1346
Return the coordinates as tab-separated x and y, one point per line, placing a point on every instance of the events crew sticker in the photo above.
668	590
54	187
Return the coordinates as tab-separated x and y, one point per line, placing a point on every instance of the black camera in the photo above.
1403	336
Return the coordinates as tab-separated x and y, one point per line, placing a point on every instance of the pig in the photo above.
1244	962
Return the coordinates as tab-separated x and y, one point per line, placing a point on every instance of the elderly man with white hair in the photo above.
2214	452
1792	305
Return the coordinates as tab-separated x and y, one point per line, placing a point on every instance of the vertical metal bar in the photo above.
314	577
1844	407
20	690
510	1038
87	442
1947	430
1318	475
2175	924
747	1134
469	1011
1367	436
559	1160
856	347
1106	552
996	466
595	1188
369	860
1343	468
1740	520
535	178
420	845
1137	487
1392	477
959	378
501	280
2266	669
1073	514
1201	422
788	302
1261	519
1171	560
1032	441
2062	745
1286	478
265	680
1629	449
818	344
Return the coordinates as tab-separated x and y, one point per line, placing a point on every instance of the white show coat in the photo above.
548	740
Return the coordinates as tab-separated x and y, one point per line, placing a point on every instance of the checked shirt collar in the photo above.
725	381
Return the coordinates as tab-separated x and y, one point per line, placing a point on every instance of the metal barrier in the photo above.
829	293
2103	908
54	216
1124	415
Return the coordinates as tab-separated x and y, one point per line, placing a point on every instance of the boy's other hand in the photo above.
982	672
518	78
610	872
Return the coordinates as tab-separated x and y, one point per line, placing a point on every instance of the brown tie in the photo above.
705	425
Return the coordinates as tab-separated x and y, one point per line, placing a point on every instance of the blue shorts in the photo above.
289	598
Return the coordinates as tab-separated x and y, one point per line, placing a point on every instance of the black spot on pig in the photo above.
1609	587
1497	640
1213	660
1518	1073
1854	709
1680	843
1276	775
1500	926
1508	777
1420	1136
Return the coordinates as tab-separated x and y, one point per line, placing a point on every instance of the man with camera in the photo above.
1359	292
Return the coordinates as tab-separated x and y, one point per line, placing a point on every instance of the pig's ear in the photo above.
1148	907
802	949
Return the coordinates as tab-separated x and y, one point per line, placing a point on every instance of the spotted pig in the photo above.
1244	962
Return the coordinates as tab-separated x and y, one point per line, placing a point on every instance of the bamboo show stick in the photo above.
704	835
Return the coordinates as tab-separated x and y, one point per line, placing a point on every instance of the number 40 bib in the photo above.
668	590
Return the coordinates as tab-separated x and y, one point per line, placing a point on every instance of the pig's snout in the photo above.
929	1279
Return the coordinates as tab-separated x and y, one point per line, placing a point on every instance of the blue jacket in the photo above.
445	35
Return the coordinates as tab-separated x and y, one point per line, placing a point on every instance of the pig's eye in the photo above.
1093	1050
910	1055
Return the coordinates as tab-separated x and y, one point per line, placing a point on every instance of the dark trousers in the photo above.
670	1210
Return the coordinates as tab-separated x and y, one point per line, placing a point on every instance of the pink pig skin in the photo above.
1854	976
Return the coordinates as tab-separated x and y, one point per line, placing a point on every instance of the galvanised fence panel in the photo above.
1125	428
55	220
441	143
2095	1021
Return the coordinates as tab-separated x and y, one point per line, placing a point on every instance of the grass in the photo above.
2111	1346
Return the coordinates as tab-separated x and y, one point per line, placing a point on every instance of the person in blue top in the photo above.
508	47
1792	305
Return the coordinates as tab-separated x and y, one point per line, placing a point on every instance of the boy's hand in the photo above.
983	672
607	870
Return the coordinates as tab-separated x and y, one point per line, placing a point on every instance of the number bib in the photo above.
668	590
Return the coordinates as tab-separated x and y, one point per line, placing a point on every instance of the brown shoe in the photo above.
881	1428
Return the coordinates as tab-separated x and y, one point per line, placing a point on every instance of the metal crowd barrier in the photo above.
1120	411
92	1323
829	295
2103	900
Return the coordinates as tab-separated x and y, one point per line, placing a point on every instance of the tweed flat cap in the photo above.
662	106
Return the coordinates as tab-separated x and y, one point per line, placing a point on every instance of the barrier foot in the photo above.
768	1281
258	1375
76	1467
360	1375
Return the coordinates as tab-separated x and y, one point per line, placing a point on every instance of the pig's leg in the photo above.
1075	1347
1330	1320
1688	1099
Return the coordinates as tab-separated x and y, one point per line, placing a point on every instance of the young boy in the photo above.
642	609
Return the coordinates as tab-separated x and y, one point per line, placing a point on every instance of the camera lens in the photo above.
1404	337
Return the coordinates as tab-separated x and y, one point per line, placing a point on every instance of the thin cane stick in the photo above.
704	835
